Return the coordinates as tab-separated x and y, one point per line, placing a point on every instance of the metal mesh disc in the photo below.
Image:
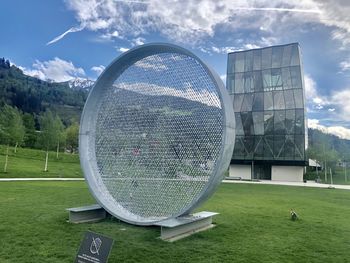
156	134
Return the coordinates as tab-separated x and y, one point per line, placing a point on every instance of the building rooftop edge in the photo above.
282	45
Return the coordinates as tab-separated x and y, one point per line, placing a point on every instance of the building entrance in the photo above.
261	171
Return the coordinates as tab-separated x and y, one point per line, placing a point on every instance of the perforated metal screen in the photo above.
155	136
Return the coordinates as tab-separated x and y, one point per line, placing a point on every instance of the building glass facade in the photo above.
267	89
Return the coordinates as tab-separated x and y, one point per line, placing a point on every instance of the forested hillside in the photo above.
32	95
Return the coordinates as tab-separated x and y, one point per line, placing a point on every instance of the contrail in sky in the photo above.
71	30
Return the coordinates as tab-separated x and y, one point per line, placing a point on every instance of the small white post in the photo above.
330	171
46	160
6	158
58	148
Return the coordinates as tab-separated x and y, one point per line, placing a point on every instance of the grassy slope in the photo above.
28	163
253	226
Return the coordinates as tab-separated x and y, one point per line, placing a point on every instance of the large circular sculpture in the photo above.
156	134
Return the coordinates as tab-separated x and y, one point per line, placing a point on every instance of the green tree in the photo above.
11	129
61	136
49	135
30	131
18	129
72	133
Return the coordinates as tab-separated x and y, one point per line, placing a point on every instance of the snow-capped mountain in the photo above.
81	83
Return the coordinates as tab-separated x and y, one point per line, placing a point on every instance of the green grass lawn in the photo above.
29	163
253	226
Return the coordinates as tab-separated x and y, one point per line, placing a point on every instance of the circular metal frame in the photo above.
88	124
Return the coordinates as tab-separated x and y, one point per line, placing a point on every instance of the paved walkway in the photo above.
40	179
307	184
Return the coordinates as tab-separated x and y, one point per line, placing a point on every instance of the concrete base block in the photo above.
177	228
86	214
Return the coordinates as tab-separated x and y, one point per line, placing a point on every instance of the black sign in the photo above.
94	248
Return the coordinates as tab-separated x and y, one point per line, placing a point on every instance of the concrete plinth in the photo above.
176	228
86	214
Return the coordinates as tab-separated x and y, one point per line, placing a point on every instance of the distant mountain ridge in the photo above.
80	84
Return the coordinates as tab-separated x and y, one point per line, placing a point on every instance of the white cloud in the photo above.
345	65
310	87
224	50
312	95
57	70
154	62
223	78
98	69
203	96
189	21
123	49
342	99
138	41
109	36
339	131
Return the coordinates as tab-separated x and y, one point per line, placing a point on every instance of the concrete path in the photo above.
40	179
307	184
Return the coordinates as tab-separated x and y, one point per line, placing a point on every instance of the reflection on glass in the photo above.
270	87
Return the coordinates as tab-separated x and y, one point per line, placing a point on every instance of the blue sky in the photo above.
60	40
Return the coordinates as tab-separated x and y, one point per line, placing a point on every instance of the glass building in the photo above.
267	89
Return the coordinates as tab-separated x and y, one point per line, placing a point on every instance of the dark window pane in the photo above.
249	146
277	53
295	56
266	55
268	122
248	61
239	151
276	79
258	147
258	119
258	103
286	78
289	99
230	83
278	147
237	102
268	101
266	75
299	121
295	74
239	126
247	102
279	122
248	82
230	63
287	53
278	100
239	83
258	83
268	147
298	95
239	63
289	147
247	122
290	121
257	60
299	147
